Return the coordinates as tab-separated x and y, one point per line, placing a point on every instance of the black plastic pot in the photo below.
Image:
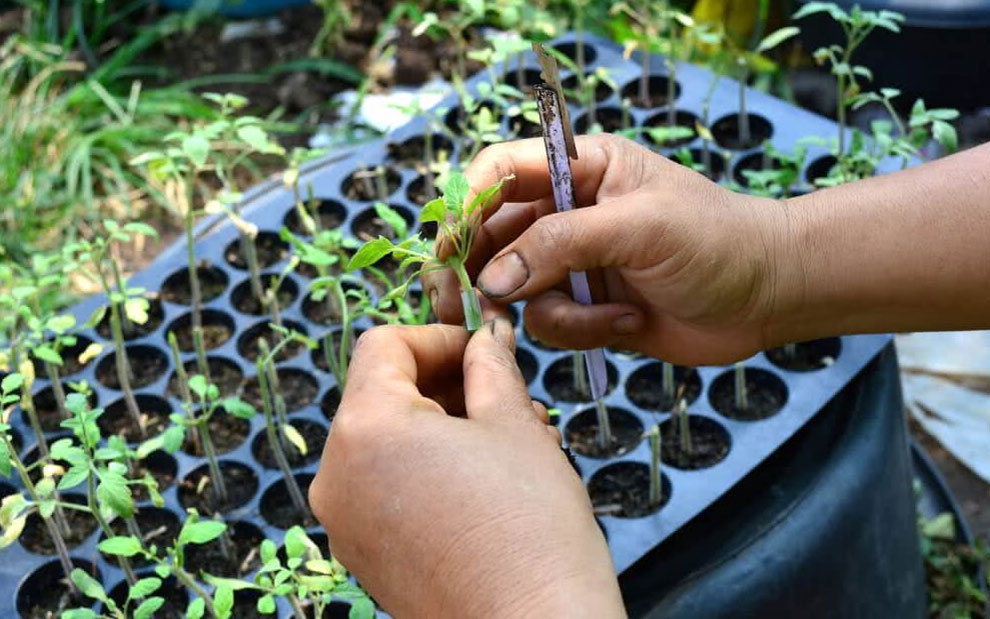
939	55
695	497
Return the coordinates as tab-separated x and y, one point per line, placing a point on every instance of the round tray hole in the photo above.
682	120
610	120
623	490
421	190
530	77
243	299
581	433
725	130
46	408
70	358
157	525
326	214
371	184
528	364
212	282
226	432
159	465
411	153
644	388
457	116
820	168
269	248
224	373
657	92
708	443
116	420
217	328
241	482
45	592
175	595
243	539
523	128
314	434
148	364
326	311
131	329
297	387
330	402
247	344
753	162
806	356
766	395
35	536
560	384
570	84
277	508
318	354
368	225
569	49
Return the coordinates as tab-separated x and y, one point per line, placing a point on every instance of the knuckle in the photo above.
551	232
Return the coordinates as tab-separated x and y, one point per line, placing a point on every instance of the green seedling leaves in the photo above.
776	38
484	198
148	608
144	587
294	437
5	465
79	613
200	532
122	546
114	493
392	217
88	586
434	210
239	408
223	600
370	253
197	148
266	604
196	609
455	192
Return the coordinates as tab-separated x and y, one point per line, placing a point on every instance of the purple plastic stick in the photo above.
561	179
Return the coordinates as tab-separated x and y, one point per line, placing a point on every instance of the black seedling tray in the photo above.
268	205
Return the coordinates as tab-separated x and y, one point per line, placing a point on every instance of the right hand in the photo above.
689	269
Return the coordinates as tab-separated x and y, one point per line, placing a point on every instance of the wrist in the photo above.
788	274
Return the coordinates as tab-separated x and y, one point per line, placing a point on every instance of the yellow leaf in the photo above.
11	533
628	48
703	131
295	438
90	353
290	177
136	310
26	368
52	470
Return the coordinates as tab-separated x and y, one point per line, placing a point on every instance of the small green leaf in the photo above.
201	532
433	211
223	600
485	197
148	608
774	39
196	609
121	546
198	385
362	608
296	542
239	408
47	354
370	253
140	229
267	551
294	437
136	310
5	464
87	585
455	192
196	148
173	438
79	613
114	493
11	382
144	587
392	217
73	477
945	134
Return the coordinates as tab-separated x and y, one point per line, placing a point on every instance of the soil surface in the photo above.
157	526
371	184
35	536
241	484
314	434
726	132
269	247
226	432
807	356
47	592
244	300
570	85
131	329
223	373
420	191
212	283
657	92
161	466
176	598
326	311
241	557
330	402
610	119
766	394
581	433
328	215
644	388
559	381
247	346
154	413
277	508
47	411
70	359
709	443
412	152
296	387
623	490
147	365
368	225
216	331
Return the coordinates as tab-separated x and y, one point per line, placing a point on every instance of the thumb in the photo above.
494	387
556	244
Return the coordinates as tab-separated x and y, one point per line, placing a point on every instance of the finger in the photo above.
491	310
557	320
393	365
443	290
595	237
494	388
541	411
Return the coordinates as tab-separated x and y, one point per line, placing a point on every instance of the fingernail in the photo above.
626	324
434	299
503	276
502	331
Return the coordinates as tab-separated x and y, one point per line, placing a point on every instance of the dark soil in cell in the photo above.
269	247
571	87
412	152
610	119
296	387
176	597
623	489
559	380
415	301
330	402
148	364
421	191
246	605
218	327
226	432
35	536
158	526
682	118
569	49
247	345
581	433
370	185
522	128
726	131
241	484
715	169
766	395
326	311
70	359
6	490
334	610
212	283
241	555
709	443
806	356
224	373
819	168
245	301
47	409
327	215
456	117
754	162
131	329
657	89
314	434
46	593
528	364
161	466
368	225
154	414
277	507
428	230
529	77
644	388
310	272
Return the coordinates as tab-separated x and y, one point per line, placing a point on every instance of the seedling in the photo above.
742	398
656	475
684	427
455	25
140	603
458	220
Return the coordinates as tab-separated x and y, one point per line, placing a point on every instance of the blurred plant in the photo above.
336	19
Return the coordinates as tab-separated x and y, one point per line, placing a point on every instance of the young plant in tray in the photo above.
457	220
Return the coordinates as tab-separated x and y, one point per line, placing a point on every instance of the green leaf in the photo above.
144	587
88	585
231	583
296	542
196	609
294	437
121	546
239	408
196	148
485	197
136	310
200	532
5	464
223	601
392	217
198	385
945	134
433	211
370	253
173	438
114	493
362	608
136	227
148	608
774	39
73	477
60	324
79	613
11	382
455	192
266	605
267	551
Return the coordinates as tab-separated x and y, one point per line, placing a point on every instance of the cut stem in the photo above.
742	401
469	298
656	475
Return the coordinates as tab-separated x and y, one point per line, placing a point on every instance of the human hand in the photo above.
688	269
445	492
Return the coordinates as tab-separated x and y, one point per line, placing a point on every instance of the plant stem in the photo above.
250	253
187	581
667	381
297	610
604	424
195	292
580	374
219	484
742	401
125	564
656	476
469	299
58	391
790	350
687	446
27	405
644	78
184	394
